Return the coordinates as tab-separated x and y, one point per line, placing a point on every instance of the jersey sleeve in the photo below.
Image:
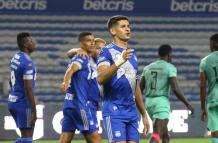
77	61
202	66
104	58
144	71
28	72
172	71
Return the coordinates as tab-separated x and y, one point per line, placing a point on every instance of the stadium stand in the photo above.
57	34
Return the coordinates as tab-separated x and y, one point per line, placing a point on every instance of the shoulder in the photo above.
79	59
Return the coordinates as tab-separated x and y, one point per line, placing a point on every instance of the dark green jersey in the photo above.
157	78
209	65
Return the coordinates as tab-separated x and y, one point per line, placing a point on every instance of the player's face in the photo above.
30	44
98	46
88	43
122	30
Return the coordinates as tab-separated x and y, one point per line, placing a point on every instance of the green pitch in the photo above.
191	140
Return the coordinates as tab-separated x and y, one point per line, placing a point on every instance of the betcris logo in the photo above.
108	5
23	4
194	6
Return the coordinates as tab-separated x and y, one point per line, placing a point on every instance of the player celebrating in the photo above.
156	81
76	110
117	69
21	103
208	74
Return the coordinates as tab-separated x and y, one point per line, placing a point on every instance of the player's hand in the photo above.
191	109
82	53
126	54
63	87
203	115
33	118
146	125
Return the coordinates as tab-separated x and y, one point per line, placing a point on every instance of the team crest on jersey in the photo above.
29	65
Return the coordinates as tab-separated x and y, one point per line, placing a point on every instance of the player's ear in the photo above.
113	31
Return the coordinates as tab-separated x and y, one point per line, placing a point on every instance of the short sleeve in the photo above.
77	61
172	71
104	58
202	66
28	73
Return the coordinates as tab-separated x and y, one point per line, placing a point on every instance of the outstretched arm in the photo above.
76	51
176	89
203	94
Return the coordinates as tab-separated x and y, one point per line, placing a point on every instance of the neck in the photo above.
120	43
84	50
26	51
164	58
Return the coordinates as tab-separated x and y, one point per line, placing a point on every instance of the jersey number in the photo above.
12	78
154	81
215	71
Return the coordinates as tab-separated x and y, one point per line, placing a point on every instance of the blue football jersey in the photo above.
22	68
78	90
94	91
119	91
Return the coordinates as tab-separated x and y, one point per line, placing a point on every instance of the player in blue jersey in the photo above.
76	83
21	103
95	89
117	70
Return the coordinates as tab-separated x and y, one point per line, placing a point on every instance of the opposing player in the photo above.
76	110
208	74
21	103
156	80
117	69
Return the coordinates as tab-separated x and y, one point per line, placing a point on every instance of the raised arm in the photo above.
176	89
76	51
106	71
203	94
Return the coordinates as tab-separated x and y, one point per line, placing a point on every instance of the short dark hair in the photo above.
82	35
114	19
164	50
214	42
21	39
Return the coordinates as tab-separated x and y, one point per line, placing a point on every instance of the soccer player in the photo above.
117	69
21	103
76	110
208	74
95	89
156	80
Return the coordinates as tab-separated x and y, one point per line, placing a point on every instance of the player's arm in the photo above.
203	94
141	108
73	68
142	83
28	77
178	92
106	72
76	51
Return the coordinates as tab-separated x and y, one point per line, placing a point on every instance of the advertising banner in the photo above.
49	116
111	7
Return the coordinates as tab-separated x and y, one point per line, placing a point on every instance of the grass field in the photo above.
192	140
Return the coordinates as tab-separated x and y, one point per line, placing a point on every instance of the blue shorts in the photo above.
121	129
78	119
22	117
